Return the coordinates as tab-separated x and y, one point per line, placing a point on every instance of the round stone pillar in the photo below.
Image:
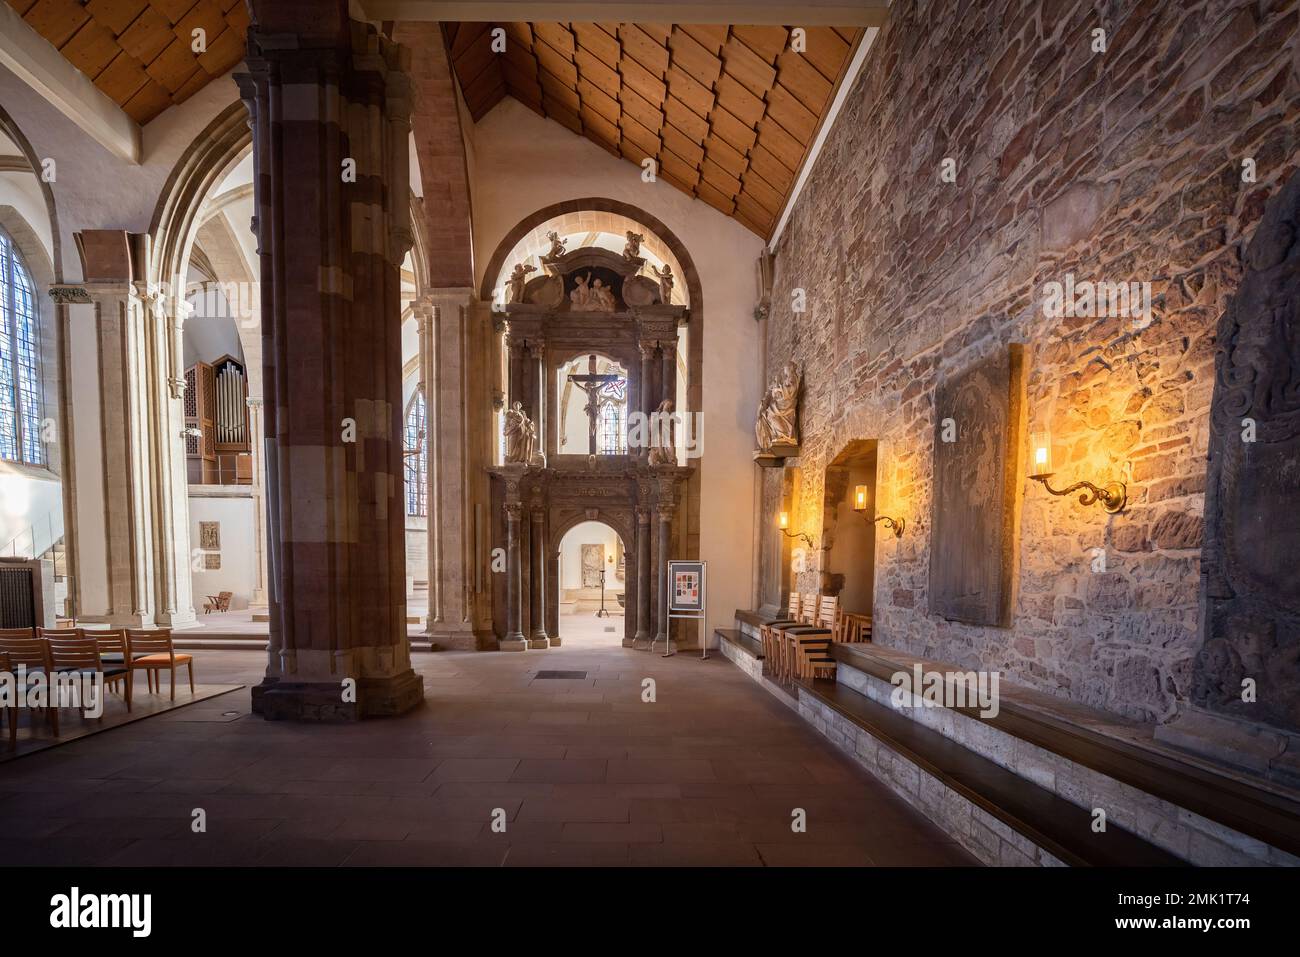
537	581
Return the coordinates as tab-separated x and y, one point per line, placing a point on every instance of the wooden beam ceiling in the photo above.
727	112
140	52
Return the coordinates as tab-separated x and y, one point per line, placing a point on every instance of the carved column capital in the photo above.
642	515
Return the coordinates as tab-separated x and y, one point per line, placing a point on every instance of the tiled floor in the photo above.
580	771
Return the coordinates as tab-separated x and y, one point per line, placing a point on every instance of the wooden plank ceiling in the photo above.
729	112
139	52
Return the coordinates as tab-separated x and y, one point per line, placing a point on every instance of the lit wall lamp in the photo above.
860	506
1112	496
785	530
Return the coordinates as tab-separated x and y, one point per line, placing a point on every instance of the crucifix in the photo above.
593	385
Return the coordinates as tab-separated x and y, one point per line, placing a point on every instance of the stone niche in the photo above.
1250	569
980	411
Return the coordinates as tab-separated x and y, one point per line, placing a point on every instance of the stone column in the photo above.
643	592
665	516
537	392
174	606
330	117
121	318
645	395
453	368
514	639
516	372
553	595
537	587
257	604
668	372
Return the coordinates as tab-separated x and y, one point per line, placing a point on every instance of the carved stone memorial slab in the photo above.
975	484
1250	567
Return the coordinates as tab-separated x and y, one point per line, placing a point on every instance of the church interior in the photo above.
647	434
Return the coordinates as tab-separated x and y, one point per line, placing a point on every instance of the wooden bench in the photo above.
1050	822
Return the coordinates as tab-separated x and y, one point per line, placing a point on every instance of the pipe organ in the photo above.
216	421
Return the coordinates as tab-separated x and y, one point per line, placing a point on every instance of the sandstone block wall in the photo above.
1122	166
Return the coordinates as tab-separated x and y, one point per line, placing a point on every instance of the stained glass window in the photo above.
20	381
415	454
611	438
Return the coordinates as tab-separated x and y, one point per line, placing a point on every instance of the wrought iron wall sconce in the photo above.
896	525
785	530
1112	496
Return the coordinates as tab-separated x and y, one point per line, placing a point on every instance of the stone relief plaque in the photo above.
210	536
593	560
212	561
1250	575
974	490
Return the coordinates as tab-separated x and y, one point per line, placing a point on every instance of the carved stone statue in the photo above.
557	246
778	411
633	248
666	280
521	437
663	451
591	295
515	284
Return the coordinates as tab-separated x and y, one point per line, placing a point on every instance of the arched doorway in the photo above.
849	530
593	566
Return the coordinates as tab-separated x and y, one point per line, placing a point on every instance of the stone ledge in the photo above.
1019	822
1038	735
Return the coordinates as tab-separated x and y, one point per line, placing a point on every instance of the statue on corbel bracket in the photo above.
666	279
777	428
632	250
521	438
556	251
515	284
664	451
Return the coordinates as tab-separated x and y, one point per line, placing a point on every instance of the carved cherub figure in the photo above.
666	280
518	279
557	246
633	248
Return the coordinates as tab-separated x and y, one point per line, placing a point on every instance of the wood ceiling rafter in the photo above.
139	52
729	113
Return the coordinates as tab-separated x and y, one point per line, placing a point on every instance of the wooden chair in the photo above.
806	649
80	654
767	632
11	712
152	651
22	649
218	602
854	628
806	617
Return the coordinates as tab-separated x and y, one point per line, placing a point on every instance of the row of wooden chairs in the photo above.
798	645
115	654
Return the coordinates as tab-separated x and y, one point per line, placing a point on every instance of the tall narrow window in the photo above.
611	436
415	453
20	381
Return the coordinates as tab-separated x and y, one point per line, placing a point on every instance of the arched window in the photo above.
20	381
415	454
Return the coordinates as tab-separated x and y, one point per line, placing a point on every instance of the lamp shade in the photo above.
860	498
785	519
1040	453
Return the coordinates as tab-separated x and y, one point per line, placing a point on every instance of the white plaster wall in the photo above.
522	163
587	533
238	557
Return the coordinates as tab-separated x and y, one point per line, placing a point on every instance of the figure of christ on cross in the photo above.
592	384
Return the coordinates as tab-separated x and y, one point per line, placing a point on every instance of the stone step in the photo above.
1059	828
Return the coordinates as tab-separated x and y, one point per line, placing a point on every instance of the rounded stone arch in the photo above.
600	204
177	217
10	129
623	526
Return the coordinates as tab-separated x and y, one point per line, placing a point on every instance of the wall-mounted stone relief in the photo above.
977	438
1250	572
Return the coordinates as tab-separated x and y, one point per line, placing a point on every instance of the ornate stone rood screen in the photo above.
588	301
593	384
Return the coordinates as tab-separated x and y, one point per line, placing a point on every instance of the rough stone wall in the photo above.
1122	166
